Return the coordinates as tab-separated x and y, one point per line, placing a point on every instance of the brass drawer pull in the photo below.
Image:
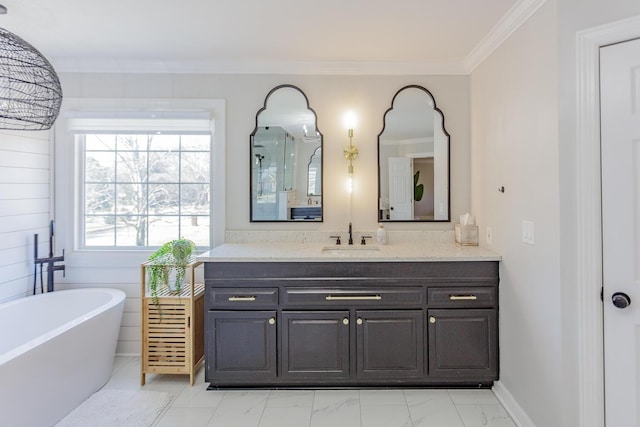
241	298
353	298
463	297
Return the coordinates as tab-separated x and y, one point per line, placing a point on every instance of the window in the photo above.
141	189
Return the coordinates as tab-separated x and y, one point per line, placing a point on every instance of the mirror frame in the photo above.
251	159
384	125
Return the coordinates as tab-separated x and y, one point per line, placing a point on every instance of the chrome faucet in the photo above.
350	235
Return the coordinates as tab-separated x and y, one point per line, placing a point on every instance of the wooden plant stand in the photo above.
172	329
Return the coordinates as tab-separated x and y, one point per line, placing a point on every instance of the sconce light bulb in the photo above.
350	121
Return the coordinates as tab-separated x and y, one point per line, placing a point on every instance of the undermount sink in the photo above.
350	250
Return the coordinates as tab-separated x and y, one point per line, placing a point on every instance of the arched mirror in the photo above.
413	159
286	159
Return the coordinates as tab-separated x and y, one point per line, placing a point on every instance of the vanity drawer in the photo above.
463	297
349	297
244	298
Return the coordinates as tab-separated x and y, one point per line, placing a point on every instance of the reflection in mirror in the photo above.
413	159
314	174
286	159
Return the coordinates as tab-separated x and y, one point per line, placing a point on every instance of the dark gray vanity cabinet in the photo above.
462	341
244	344
390	344
324	324
240	332
318	344
315	344
461	344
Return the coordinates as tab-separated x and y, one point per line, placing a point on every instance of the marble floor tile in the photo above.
198	396
386	416
290	398
125	374
484	415
432	408
382	397
417	396
471	397
333	408
173	384
181	417
240	409
298	416
195	406
324	398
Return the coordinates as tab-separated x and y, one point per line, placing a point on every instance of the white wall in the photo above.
24	208
514	132
330	96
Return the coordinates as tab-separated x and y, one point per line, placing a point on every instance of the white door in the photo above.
400	188
620	126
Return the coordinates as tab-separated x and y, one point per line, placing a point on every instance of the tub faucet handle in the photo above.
337	239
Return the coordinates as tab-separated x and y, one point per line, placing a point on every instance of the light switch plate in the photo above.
528	232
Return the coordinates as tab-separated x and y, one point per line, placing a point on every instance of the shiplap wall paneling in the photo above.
25	200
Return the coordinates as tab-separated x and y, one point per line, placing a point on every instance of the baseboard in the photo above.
517	414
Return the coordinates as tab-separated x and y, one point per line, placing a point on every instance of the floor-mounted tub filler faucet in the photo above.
51	261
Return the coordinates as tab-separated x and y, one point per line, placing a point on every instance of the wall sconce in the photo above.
350	151
30	91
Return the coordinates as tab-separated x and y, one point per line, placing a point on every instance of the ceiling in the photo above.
259	36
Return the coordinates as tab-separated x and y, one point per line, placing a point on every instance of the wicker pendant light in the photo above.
30	92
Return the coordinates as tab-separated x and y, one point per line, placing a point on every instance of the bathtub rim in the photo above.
117	297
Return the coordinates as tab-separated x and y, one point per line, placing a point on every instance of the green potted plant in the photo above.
167	266
418	189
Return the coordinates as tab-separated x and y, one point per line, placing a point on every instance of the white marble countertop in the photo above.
314	252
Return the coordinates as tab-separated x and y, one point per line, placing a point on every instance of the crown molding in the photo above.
514	18
261	67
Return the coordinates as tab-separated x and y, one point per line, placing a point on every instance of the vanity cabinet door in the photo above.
241	344
390	343
463	343
315	344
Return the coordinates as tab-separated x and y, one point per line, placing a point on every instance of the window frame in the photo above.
66	175
80	140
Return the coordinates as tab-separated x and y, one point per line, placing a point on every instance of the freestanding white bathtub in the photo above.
56	349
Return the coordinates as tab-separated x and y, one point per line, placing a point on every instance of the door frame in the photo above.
589	202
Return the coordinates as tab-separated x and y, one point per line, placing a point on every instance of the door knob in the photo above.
620	300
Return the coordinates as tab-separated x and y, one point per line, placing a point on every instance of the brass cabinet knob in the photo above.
359	321
432	319
272	321
345	321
